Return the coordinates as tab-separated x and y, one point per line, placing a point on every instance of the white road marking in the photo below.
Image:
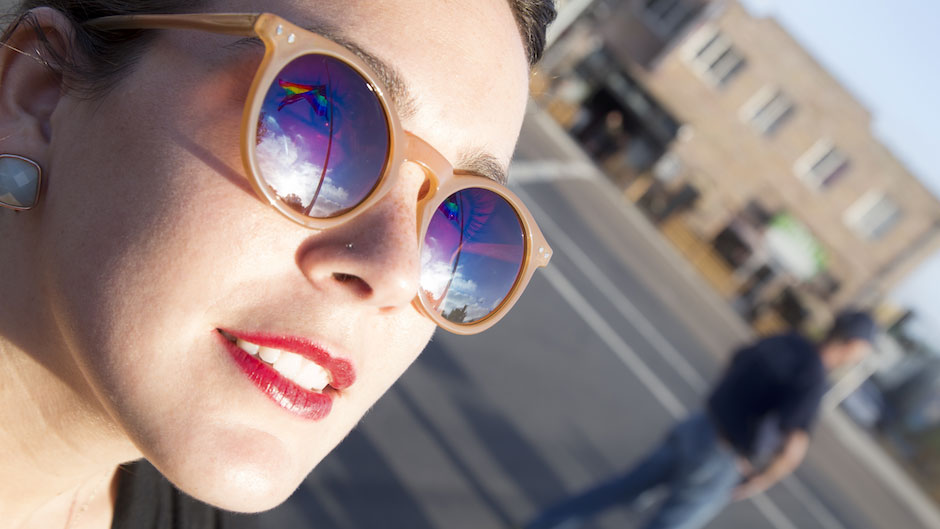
813	505
772	512
525	172
564	245
900	483
606	333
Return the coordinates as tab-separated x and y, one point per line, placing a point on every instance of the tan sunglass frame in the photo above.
285	42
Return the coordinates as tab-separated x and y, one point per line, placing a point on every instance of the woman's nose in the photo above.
373	258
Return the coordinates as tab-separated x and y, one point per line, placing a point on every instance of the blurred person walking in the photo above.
753	431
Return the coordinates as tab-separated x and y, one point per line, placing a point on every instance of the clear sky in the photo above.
887	52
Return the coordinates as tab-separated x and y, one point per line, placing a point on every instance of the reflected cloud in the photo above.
469	308
436	274
294	178
458	299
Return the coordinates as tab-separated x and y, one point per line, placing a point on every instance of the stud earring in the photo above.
20	179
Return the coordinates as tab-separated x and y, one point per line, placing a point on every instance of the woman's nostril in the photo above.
354	283
425	189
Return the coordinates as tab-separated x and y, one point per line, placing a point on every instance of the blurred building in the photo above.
750	156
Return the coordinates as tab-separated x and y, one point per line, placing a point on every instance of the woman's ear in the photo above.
30	85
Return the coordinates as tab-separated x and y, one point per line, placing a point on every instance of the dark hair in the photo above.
101	56
533	18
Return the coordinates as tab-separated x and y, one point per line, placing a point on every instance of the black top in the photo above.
771	389
146	500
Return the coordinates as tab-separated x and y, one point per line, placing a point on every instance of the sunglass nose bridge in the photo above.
436	168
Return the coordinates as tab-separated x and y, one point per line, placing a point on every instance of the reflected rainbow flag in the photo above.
314	94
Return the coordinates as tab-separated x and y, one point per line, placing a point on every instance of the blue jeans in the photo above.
700	471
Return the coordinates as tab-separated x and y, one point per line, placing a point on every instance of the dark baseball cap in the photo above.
852	325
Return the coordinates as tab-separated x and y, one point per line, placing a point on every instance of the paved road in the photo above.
604	351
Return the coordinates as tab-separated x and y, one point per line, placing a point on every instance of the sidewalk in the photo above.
569	157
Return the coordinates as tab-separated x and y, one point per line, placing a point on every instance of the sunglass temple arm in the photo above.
228	23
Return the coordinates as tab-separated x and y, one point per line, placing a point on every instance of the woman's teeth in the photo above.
298	369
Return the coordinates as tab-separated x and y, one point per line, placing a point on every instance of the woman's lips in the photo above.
297	363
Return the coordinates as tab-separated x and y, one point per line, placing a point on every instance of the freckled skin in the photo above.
148	238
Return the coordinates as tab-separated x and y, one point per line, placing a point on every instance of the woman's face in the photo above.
151	240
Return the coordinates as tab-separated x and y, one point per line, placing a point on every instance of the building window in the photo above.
873	215
714	57
822	165
768	110
667	17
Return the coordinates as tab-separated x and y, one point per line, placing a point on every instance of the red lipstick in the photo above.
286	393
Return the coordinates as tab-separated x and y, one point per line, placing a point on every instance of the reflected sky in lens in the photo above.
319	113
472	255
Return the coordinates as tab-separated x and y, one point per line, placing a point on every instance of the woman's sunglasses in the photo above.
322	143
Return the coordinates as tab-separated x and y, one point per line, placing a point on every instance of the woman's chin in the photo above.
245	489
242	472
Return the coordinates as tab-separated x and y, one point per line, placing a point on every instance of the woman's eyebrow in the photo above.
481	163
395	86
388	75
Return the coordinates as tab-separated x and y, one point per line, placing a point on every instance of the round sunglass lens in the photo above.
323	137
471	256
